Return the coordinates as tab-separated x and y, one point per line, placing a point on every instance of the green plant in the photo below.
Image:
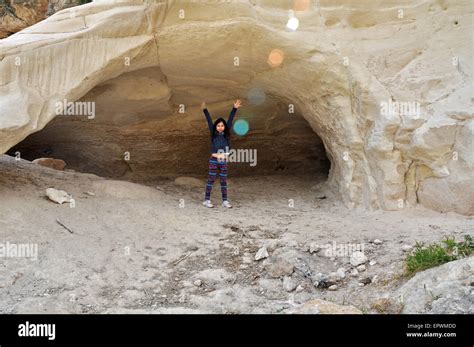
422	258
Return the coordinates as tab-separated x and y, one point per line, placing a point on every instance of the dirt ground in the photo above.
135	248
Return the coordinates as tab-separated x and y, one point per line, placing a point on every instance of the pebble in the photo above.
197	283
314	247
358	258
261	254
289	284
361	268
333	287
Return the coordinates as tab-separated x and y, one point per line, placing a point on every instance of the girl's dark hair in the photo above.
226	129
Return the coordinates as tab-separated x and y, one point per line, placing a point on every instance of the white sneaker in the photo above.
208	203
226	204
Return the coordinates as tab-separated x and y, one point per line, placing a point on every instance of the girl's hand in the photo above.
237	103
203	105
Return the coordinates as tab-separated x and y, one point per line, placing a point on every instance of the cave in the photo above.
139	133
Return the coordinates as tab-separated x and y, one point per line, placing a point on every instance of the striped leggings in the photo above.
214	166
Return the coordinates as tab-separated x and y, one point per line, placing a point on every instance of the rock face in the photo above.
16	15
444	289
385	92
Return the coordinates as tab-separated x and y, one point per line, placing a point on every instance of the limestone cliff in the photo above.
386	86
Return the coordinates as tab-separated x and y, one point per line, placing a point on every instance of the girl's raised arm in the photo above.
237	104
208	117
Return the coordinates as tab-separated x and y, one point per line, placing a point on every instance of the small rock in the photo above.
302	268
377	242
361	268
197	283
300	288
358	258
365	280
314	247
333	287
317	306
407	248
354	272
89	193
261	254
289	284
372	262
333	278
58	196
375	279
361	284
277	268
341	273
56	164
320	281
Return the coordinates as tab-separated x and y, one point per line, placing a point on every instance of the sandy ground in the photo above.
136	248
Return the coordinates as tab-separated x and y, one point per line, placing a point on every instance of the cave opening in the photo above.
139	133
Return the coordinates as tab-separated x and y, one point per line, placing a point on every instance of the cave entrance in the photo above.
139	134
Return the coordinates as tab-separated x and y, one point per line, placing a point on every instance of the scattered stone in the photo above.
361	268
377	242
90	193
333	287
289	284
278	267
358	258
302	268
333	278
261	254
341	273
314	247
58	196
407	248
386	305
197	283
56	164
236	251
372	262
354	272
299	289
365	280
361	284
318	306
320	281
375	279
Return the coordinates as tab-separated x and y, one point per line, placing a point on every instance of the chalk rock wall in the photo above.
386	86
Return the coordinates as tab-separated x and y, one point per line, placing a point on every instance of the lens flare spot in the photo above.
275	58
293	23
256	96
301	5
241	127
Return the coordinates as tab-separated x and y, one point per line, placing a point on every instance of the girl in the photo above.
220	133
